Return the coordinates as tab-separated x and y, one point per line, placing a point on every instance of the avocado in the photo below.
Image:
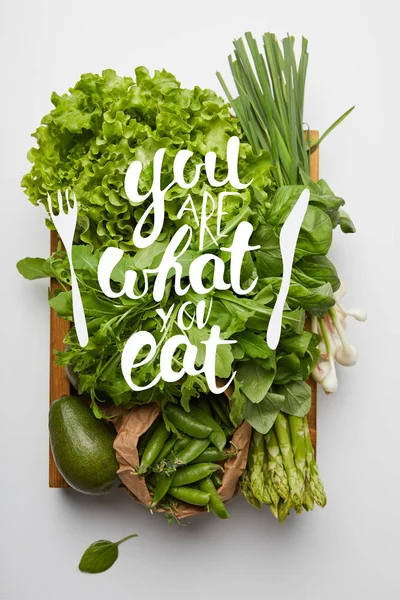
82	446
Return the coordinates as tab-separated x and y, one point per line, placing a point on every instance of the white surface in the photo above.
349	551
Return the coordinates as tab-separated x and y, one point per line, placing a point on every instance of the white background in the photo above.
349	550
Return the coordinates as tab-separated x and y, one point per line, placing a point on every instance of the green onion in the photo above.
270	84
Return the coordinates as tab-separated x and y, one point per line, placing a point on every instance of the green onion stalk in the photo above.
270	86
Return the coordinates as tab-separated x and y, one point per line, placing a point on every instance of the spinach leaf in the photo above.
315	236
297	398
298	344
268	258
238	403
101	555
254	380
346	224
262	416
314	270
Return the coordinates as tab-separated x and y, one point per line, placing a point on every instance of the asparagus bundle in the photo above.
281	471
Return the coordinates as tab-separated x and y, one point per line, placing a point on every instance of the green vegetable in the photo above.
82	447
181	443
101	555
246	490
86	143
217	436
154	446
194	449
215	502
297	398
186	423
216	479
315	484
262	416
275	465
257	462
283	435
193	473
145	437
167	449
190	495
270	493
270	102
296	425
163	483
214	455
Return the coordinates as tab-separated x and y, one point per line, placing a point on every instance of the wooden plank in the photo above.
312	415
60	385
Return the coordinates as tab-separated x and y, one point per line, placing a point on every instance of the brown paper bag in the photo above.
133	423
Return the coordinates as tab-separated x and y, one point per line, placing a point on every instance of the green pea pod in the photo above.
154	447
162	486
181	443
145	437
194	448
212	454
193	473
217	436
190	495
216	479
186	422
167	449
216	504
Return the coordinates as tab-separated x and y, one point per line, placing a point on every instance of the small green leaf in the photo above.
101	555
84	259
297	398
254	345
254	380
34	268
62	304
346	224
262	416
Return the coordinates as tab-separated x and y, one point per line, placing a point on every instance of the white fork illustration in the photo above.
65	223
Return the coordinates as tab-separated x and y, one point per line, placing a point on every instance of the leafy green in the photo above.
262	415
86	143
101	555
297	398
34	268
254	380
346	224
93	134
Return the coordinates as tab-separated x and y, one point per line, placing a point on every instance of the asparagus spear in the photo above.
281	427
308	498
296	425
316	485
256	466
284	508
275	465
246	490
271	496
